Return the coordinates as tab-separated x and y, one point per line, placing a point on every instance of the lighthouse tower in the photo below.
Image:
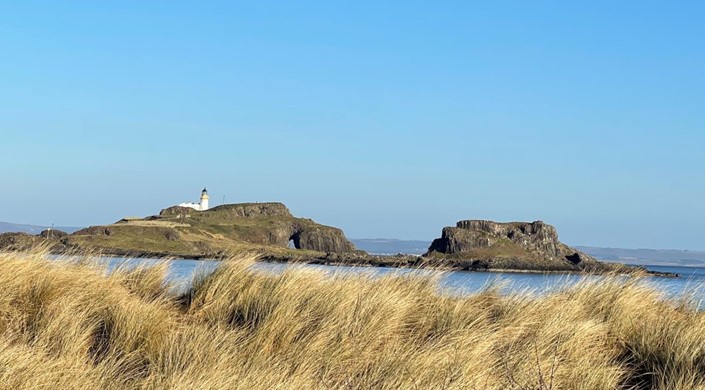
201	206
204	200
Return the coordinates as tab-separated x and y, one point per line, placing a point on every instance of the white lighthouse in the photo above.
201	206
204	199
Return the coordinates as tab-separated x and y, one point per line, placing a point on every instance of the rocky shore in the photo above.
420	262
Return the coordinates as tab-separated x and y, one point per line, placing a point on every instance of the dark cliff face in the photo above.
527	243
303	233
321	238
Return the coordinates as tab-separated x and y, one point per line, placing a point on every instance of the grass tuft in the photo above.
71	324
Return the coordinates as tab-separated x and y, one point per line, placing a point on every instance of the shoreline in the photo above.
369	261
669	275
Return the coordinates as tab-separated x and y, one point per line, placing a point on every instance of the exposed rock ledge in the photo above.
514	245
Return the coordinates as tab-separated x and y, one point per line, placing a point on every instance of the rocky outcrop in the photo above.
22	242
189	233
94	231
282	227
321	238
53	234
239	210
524	245
174	211
252	210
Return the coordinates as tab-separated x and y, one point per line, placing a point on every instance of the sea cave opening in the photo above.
295	241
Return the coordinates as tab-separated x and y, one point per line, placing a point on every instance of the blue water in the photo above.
692	279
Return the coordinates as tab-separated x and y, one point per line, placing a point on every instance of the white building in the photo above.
201	206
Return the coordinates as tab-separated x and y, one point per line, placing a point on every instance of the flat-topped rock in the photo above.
520	245
250	210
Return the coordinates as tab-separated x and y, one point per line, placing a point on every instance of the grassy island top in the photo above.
267	228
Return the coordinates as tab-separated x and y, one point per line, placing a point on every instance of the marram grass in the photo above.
70	325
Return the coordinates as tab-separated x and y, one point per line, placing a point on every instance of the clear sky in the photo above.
384	118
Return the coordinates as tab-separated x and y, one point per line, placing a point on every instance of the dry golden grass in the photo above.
70	325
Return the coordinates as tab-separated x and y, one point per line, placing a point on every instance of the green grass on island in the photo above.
265	228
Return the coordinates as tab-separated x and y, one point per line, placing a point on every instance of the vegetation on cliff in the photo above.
267	228
68	325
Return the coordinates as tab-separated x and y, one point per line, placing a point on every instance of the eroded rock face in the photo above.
322	239
94	230
516	241
252	210
175	210
474	234
307	235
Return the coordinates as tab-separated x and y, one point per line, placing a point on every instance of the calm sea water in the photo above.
692	279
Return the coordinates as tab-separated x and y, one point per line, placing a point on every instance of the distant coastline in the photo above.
665	257
9	227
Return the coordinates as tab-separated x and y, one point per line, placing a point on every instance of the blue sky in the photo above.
387	119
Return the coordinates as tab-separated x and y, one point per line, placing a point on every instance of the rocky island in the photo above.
479	245
267	228
275	234
484	245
